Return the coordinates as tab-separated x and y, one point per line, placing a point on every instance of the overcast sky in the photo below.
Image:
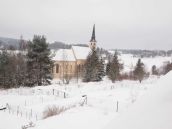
137	24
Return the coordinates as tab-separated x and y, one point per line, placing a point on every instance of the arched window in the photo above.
57	68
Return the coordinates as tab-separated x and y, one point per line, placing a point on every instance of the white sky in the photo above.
142	24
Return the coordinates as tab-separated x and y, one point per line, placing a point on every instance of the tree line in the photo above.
95	69
146	53
26	68
164	69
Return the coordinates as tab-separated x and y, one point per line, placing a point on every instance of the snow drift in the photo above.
152	111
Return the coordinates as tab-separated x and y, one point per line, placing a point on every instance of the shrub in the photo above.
52	111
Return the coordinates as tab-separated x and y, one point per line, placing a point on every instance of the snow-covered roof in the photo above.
64	55
81	52
73	54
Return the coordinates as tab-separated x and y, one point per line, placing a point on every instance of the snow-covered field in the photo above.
122	105
151	111
130	61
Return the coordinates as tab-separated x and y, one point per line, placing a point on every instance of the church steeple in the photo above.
93	39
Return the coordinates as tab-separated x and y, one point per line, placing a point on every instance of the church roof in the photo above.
81	53
73	54
64	55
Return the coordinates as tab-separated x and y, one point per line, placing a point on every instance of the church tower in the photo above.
93	41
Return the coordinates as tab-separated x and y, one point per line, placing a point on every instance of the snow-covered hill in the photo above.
4	42
130	61
151	111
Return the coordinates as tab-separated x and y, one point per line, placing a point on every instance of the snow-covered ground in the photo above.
28	104
122	105
151	111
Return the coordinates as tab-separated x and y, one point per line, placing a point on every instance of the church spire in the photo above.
93	41
93	37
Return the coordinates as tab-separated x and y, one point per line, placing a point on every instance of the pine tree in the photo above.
154	70
101	68
4	61
114	68
94	68
39	64
139	71
108	67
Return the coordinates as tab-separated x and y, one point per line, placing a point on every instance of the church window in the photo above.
57	68
70	68
79	67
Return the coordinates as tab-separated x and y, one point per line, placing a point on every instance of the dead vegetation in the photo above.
54	110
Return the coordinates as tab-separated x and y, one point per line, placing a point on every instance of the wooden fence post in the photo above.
36	117
17	110
117	106
86	99
53	91
26	114
31	113
64	95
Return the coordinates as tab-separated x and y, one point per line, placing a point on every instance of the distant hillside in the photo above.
145	53
6	42
61	45
10	42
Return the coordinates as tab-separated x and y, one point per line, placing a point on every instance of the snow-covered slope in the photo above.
152	111
130	61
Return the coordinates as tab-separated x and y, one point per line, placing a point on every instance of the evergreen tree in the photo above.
139	71
4	62
114	68
94	68
87	69
12	69
108	67
22	44
154	70
167	68
101	68
39	64
20	69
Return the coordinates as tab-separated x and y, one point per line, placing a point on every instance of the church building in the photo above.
69	63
